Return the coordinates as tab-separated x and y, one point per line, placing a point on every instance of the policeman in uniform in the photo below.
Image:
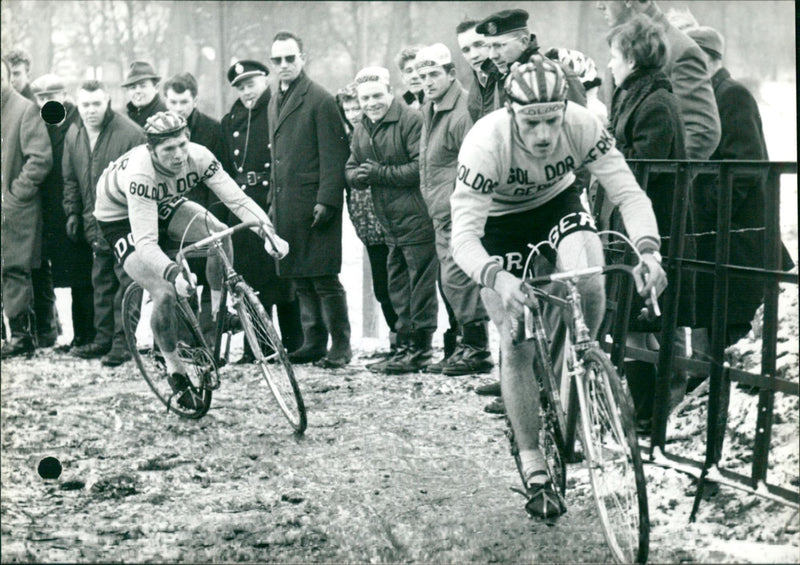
246	158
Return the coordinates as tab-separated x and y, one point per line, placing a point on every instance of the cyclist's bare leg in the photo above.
519	389
579	250
162	320
201	223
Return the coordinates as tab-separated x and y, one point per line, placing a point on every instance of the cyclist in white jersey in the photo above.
514	187
140	206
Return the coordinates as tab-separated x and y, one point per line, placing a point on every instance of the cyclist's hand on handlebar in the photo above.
510	289
276	246
183	287
649	275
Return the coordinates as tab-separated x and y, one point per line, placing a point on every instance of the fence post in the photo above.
680	205
719	385
766	397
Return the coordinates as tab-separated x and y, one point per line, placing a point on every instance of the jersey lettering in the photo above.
517	176
559	169
478	182
144	191
603	146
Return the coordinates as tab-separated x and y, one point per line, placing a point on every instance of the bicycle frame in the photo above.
214	243
575	323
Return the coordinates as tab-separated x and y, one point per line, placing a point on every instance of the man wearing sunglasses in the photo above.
309	150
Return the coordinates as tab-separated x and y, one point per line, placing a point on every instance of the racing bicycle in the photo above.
202	360
589	390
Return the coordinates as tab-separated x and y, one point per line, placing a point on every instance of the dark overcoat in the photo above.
71	261
742	139
309	150
647	124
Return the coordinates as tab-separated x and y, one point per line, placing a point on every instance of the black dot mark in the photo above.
49	468
53	112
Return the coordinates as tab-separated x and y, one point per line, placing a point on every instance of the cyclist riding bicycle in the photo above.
515	186
141	206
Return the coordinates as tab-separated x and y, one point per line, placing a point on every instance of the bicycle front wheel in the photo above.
613	459
271	356
196	356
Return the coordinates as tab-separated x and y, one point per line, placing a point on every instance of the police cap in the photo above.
246	68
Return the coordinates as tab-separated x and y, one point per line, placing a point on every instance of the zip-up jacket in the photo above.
443	131
394	143
82	166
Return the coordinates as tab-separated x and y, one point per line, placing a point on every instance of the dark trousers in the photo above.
83	313
378	254
44	297
413	270
110	281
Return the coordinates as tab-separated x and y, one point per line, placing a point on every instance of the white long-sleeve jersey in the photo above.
497	175
133	186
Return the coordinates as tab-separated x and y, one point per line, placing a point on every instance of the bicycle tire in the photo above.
197	357
271	357
613	459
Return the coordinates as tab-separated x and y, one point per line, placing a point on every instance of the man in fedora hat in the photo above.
141	84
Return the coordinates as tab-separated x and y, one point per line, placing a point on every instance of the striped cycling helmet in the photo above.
163	125
540	80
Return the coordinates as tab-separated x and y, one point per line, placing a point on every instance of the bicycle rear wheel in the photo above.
271	357
613	459
195	354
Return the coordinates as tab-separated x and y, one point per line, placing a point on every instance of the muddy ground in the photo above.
391	469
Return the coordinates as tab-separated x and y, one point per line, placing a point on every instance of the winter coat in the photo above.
245	145
26	160
687	71
207	132
742	139
82	166
394	143
309	150
443	131
359	202
140	114
71	262
646	122
483	96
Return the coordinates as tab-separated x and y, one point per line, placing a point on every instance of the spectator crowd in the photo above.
390	153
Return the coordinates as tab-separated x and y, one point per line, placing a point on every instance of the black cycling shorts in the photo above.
506	237
118	233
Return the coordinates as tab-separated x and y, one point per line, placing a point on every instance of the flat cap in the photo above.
140	70
708	39
372	74
246	68
47	84
503	22
436	55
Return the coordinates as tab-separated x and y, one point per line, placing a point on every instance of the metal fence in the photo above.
720	374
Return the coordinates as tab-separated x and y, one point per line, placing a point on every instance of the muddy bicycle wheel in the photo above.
613	459
271	357
195	354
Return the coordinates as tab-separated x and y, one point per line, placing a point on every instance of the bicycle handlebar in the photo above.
197	245
590	271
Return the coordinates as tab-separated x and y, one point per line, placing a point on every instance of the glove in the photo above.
280	249
323	214
73	227
372	170
183	287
